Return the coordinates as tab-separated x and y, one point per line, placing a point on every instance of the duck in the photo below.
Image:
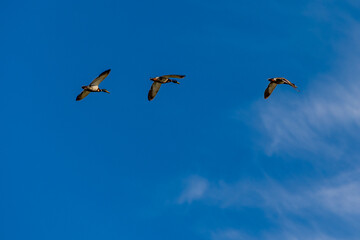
274	82
157	81
94	86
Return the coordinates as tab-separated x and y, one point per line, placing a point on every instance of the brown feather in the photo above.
269	89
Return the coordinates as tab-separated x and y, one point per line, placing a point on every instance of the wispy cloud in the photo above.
195	188
301	211
229	234
288	233
318	122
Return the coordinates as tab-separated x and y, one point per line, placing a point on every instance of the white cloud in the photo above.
338	195
291	231
318	122
195	188
342	197
300	211
288	232
229	234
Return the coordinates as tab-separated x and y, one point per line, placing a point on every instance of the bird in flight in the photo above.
157	81
94	86
274	82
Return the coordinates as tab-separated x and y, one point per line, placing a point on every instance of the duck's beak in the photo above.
104	90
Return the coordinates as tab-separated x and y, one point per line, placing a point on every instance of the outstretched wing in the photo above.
154	90
82	95
269	89
173	76
100	78
289	83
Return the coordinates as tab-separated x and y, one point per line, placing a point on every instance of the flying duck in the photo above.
274	82
94	86
157	81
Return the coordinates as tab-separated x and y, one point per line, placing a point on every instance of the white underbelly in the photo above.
93	88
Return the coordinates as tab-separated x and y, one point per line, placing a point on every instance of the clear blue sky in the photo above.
208	159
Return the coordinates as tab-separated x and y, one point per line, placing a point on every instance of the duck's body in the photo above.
91	88
94	86
274	82
157	81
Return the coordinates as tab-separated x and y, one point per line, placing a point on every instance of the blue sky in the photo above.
208	159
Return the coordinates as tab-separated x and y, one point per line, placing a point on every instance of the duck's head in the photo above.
271	79
153	79
104	90
84	87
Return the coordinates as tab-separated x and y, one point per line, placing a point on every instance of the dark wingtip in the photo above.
266	95
105	72
150	97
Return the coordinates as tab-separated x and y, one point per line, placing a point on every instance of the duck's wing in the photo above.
154	90
269	89
82	95
289	83
173	76
100	78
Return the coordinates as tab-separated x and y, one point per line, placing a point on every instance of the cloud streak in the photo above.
299	211
229	234
195	188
